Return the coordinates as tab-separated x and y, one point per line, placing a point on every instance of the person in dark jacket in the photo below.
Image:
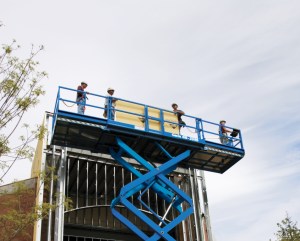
178	113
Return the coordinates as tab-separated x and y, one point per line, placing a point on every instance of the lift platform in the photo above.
140	127
155	140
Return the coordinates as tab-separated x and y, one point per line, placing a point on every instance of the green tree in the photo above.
287	230
20	91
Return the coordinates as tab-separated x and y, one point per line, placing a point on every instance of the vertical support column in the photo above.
37	169
87	185
51	195
96	185
183	223
197	205
59	211
39	200
205	217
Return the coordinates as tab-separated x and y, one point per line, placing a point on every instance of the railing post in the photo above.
241	140
58	99
109	101
162	121
56	107
199	128
146	119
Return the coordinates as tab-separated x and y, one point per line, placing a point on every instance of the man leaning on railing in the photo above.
223	132
81	98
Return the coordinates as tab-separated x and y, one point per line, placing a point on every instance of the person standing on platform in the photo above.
178	113
110	103
223	132
81	97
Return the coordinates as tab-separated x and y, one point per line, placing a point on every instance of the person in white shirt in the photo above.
110	103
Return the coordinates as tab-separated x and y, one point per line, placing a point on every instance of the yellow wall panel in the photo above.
154	124
172	128
138	120
129	118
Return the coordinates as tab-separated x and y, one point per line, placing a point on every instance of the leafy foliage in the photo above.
20	91
287	230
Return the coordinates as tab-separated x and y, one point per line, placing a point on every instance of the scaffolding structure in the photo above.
132	176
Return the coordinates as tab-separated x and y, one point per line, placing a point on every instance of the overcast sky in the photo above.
231	59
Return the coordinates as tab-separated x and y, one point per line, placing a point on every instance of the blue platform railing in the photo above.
196	129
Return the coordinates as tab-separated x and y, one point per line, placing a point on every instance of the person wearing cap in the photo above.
110	102
223	132
81	97
178	113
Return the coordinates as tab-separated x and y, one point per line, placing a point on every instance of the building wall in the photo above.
17	201
92	181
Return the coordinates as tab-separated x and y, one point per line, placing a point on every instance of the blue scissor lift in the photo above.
147	139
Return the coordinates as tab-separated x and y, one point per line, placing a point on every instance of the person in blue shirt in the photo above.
81	97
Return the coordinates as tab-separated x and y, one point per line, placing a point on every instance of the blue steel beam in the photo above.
160	190
140	159
143	162
155	180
